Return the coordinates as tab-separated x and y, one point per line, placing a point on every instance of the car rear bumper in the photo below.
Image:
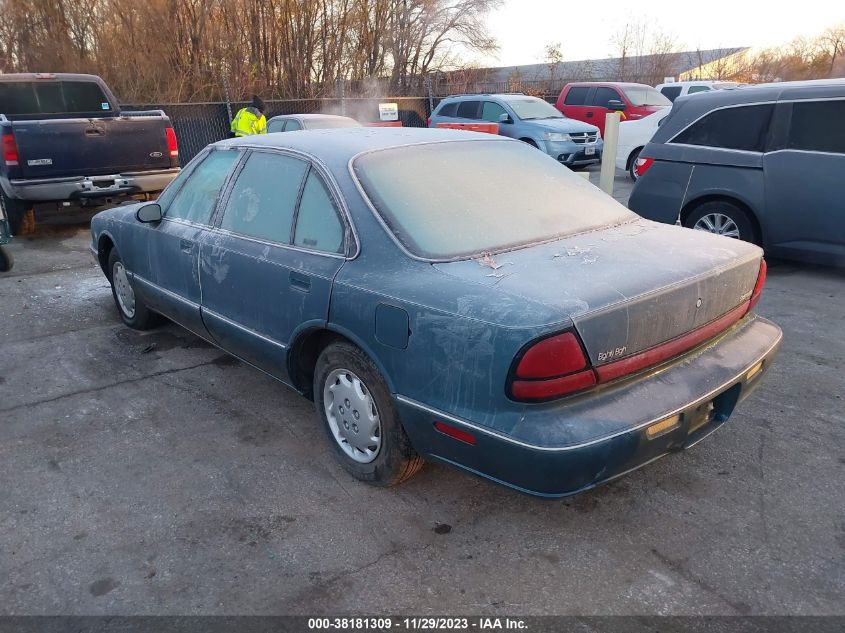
90	187
696	395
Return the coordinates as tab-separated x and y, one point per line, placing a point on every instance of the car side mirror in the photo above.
505	118
615	105
149	213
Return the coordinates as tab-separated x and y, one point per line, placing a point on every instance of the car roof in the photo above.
13	77
341	144
620	84
783	90
311	116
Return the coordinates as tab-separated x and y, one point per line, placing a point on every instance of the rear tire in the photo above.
6	260
722	218
20	214
632	162
131	308
359	418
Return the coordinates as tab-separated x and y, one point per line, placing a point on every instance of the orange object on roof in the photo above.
489	128
384	124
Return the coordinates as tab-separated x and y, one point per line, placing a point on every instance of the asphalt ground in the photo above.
150	473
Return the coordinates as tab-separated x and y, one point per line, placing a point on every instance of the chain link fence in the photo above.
198	124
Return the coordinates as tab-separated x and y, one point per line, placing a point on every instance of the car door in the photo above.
172	287
575	103
267	268
492	111
599	101
804	180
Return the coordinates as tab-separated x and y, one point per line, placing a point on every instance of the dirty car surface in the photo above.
452	296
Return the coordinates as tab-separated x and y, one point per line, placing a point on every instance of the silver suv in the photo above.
528	119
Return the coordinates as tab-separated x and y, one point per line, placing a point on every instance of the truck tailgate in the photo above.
90	147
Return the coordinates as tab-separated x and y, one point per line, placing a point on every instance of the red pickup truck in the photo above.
590	101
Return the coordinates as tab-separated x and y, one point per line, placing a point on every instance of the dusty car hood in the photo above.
564	124
626	288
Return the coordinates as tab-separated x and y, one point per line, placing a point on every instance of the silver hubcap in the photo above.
123	291
352	415
718	223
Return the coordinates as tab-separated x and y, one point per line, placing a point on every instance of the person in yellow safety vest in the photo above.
250	120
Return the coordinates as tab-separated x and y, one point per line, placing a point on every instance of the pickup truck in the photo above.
67	146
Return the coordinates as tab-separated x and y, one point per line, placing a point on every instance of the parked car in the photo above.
763	164
590	101
527	119
67	144
682	88
633	136
293	122
449	295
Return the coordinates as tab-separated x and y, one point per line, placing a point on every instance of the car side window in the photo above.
576	96
818	126
468	109
263	198
277	125
604	96
743	128
672	92
450	110
318	226
292	125
694	89
196	199
492	111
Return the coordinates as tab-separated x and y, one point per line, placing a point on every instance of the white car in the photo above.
633	136
680	88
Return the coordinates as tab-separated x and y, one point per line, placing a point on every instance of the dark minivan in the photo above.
761	163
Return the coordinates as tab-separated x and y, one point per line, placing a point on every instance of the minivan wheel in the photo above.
632	162
359	418
722	218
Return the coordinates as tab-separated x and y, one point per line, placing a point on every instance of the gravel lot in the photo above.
151	473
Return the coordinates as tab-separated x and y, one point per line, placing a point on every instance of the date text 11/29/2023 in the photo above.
417	624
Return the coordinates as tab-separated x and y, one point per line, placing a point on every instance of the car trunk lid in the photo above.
629	288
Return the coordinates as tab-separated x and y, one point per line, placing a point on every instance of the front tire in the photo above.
130	306
20	215
722	218
359	418
6	260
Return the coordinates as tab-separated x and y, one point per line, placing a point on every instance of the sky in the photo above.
524	27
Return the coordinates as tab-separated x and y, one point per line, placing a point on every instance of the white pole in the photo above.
608	157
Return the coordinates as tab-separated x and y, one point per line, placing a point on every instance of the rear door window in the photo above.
450	110
277	125
318	226
292	125
742	128
576	95
604	96
263	198
694	89
468	109
197	198
818	126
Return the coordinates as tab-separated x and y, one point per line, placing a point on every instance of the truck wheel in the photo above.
131	308
360	421
21	216
6	260
632	162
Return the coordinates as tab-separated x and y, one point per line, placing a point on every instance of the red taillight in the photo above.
454	432
10	150
758	287
172	144
551	368
554	356
642	165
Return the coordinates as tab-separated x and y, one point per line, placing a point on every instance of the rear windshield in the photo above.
44	98
532	108
460	198
319	124
645	96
